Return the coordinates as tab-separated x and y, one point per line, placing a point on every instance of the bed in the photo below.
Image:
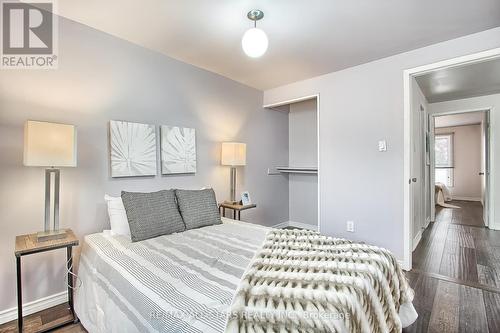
443	196
183	282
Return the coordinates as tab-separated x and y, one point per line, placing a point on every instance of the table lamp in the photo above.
50	145
233	154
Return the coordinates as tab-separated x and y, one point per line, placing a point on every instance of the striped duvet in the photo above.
182	282
186	282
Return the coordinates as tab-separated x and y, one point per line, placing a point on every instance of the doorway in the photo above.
419	139
460	165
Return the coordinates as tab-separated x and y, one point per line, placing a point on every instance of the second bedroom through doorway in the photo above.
459	165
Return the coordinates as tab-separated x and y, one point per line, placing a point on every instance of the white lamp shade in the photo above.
254	42
234	154
49	144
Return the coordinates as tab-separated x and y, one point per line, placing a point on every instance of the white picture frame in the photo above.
245	198
132	149
178	150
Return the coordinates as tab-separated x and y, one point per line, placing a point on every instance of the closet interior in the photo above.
302	168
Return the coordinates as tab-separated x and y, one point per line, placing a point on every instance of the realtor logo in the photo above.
28	35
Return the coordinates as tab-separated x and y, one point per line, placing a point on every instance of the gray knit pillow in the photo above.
198	207
152	214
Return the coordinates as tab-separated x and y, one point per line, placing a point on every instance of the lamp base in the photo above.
44	236
232	202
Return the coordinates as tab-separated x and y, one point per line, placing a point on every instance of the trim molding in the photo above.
300	225
303	225
416	240
403	265
34	306
494	226
290	101
281	225
427	221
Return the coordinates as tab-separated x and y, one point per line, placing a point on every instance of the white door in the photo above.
432	168
486	171
417	170
423	167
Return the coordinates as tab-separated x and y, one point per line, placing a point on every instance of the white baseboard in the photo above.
494	226
404	265
34	306
427	221
281	225
416	240
466	198
295	224
303	225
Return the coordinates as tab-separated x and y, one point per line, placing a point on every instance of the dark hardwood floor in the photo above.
470	213
456	278
455	273
45	319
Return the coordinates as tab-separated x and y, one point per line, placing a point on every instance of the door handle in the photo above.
481	173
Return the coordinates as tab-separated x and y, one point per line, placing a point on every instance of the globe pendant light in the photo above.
254	41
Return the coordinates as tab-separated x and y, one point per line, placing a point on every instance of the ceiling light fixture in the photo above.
254	41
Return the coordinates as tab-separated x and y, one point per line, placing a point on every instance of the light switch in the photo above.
382	145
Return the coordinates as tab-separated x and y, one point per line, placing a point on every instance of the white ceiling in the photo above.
461	82
306	38
459	119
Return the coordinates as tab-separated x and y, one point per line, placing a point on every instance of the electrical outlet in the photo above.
350	226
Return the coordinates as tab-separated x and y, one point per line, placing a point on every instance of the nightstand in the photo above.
28	244
237	208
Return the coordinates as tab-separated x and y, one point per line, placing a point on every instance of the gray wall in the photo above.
303	132
358	107
101	77
303	151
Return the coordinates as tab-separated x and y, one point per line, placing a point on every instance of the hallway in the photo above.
456	273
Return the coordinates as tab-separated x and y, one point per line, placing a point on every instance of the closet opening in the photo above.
302	170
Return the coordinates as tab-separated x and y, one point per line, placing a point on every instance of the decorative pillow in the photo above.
198	207
117	216
152	214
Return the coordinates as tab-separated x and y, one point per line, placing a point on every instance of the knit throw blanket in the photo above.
301	281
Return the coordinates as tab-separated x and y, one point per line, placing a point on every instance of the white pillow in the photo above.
117	216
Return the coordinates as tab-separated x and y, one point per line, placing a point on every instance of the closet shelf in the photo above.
289	169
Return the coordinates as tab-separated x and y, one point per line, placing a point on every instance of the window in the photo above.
444	176
444	159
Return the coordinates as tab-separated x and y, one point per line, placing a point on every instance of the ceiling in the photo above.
459	119
461	82
306	38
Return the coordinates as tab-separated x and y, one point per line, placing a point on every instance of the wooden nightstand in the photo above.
237	208
28	244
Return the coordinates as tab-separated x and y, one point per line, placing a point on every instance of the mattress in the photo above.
183	282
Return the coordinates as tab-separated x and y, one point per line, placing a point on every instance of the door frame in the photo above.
489	144
408	75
